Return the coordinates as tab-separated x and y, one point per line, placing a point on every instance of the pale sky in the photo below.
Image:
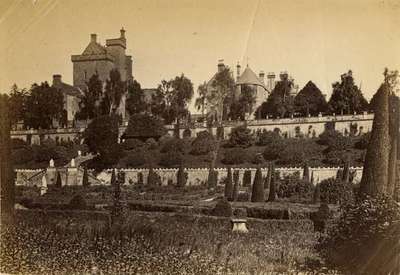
314	40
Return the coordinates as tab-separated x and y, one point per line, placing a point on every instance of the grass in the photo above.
155	243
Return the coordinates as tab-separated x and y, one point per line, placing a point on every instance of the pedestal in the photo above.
239	225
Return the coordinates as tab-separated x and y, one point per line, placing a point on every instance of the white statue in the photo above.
51	163
79	153
43	188
72	162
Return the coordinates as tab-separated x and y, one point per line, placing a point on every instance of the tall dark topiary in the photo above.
376	166
113	179
317	194
212	178
182	176
257	193
306	172
229	185
117	208
247	178
346	171
140	179
58	180
394	124
152	178
339	174
236	185
85	179
272	186
269	176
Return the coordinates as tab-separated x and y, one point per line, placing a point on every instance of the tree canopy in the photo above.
114	90
135	102
144	126
310	100
346	97
88	107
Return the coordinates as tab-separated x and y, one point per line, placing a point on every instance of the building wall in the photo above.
102	67
72	106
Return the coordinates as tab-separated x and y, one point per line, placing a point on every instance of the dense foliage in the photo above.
241	136
203	144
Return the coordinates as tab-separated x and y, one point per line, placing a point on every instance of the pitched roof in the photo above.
94	48
68	89
249	77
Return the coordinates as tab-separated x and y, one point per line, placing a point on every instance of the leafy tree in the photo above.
7	185
235	156
241	136
101	137
91	96
280	102
200	102
143	126
17	103
244	104
229	185
43	105
257	194
346	97
310	100
221	87
136	103
114	90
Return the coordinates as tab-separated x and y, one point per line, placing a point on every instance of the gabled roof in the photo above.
94	48
250	78
68	89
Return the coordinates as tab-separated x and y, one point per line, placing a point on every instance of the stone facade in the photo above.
99	59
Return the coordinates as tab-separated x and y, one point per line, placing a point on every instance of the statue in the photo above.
51	163
72	162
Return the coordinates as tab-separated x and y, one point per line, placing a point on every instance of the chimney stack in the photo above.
56	79
221	65
93	38
237	71
284	75
122	33
261	76
271	81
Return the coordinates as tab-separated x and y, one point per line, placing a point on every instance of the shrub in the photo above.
268	137
340	143
291	186
151	144
132	144
135	158
363	141
171	159
22	155
17	143
223	208
258	159
240	212
234	156
335	191
335	157
140	179
153	179
144	125
77	203
203	144
257	193
182	176
241	136
58	180
328	137
368	227
273	149
175	145
317	194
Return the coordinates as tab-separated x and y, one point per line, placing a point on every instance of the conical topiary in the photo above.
346	171
394	125
247	178
58	180
306	172
376	165
236	185
272	186
181	176
140	178
212	178
152	178
339	174
229	185
269	176
85	178
113	179
317	194
257	193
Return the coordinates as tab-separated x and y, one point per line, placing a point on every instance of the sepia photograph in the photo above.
200	137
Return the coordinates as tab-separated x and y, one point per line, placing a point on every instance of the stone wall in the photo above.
196	176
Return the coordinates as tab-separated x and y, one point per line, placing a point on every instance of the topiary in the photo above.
317	194
182	176
363	141
247	178
335	191
212	178
140	179
236	185
292	186
257	194
58	180
241	136
135	158
153	179
175	145
272	185
258	159
203	144
229	185
85	177
223	208
268	137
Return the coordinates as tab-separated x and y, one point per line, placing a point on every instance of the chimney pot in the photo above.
221	65
93	37
122	31
56	79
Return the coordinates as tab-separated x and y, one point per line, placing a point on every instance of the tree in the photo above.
144	126
257	194
136	103
44	104
200	102
269	176
88	107
221	86
241	136
346	97
58	180
7	185
229	185
114	90
203	144
244	104
17	103
376	166
272	185
280	102
101	137
310	101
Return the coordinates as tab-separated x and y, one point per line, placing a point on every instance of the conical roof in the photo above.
250	78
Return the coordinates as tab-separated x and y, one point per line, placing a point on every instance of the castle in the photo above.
95	59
